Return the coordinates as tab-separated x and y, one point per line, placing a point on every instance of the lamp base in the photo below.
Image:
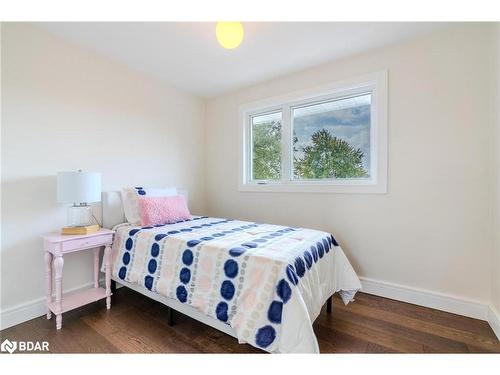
79	216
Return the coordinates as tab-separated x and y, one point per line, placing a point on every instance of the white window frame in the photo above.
375	83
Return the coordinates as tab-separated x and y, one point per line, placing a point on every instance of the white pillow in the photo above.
130	198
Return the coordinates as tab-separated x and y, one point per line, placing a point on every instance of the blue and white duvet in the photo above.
268	282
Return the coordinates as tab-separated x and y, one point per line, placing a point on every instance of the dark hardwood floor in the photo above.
136	324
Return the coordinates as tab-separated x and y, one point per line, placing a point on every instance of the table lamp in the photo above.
80	189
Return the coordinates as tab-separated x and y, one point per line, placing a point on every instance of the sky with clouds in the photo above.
350	124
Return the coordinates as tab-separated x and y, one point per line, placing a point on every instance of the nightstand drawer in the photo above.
88	242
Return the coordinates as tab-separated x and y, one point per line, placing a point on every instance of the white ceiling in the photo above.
188	56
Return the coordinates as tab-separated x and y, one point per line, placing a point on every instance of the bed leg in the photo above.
329	305
170	316
113	286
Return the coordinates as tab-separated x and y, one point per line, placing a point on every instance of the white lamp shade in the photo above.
78	187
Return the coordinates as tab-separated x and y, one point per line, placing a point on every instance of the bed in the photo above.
260	283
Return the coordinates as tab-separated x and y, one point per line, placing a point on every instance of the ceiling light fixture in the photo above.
229	34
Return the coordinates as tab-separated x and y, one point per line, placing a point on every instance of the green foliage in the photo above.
329	157
266	163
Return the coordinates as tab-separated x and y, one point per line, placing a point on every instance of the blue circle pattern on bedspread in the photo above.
265	335
127	257
155	252
185	274
155	247
188	256
149	280
231	269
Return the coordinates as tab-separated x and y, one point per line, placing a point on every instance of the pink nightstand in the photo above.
56	246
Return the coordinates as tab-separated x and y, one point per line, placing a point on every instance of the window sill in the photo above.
347	187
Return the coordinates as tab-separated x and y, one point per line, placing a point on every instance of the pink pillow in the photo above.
163	210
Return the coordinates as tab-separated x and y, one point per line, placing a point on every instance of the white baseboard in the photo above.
494	320
30	310
438	301
422	297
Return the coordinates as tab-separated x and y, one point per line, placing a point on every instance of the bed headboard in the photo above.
112	208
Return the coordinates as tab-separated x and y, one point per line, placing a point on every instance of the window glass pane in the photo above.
332	139
266	146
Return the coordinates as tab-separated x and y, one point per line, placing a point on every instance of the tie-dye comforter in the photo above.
268	282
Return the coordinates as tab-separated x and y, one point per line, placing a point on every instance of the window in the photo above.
266	146
332	139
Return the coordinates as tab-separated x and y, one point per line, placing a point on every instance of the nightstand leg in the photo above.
48	281
58	267
97	250
107	266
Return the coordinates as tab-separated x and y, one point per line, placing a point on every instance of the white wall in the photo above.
496	250
433	230
64	108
